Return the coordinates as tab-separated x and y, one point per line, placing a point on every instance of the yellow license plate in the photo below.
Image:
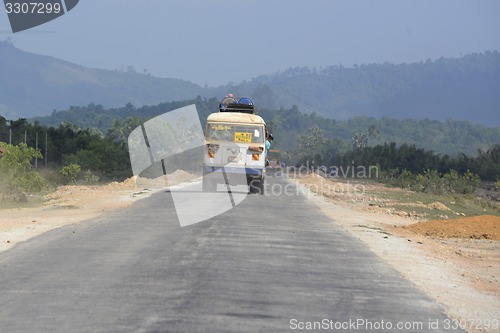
242	137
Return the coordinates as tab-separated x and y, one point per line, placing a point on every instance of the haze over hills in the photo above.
35	85
464	89
467	88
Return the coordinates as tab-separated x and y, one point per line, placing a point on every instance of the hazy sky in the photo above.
218	41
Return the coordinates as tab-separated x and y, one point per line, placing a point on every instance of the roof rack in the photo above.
235	107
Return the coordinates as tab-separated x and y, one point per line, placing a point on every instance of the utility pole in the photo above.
36	149
10	136
46	148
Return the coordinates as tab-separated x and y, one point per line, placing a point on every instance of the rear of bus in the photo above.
234	151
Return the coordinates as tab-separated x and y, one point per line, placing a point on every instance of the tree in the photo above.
17	171
313	145
359	141
373	131
130	124
314	140
117	132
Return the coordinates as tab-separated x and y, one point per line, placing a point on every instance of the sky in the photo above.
215	42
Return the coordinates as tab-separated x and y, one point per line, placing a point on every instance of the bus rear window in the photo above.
235	133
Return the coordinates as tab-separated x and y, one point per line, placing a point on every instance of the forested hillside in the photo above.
461	89
464	89
448	137
93	140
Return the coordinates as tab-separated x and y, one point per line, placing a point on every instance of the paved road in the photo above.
271	264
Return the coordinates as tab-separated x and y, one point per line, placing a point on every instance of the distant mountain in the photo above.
34	85
465	88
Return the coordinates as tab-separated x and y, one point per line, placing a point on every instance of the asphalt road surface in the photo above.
273	263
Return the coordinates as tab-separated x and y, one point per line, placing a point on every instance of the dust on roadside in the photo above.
75	203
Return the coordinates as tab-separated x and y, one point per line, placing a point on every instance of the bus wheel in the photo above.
257	186
261	185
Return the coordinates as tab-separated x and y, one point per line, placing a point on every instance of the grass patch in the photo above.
422	205
433	206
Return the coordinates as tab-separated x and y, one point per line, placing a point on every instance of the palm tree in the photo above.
117	131
373	131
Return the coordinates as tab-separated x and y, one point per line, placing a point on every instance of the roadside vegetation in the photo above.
89	145
55	156
463	185
432	205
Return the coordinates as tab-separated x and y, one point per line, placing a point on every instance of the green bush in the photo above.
90	178
17	171
432	182
405	180
467	183
70	172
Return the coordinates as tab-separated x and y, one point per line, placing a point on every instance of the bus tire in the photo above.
257	185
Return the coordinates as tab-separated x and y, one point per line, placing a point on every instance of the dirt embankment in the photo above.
474	227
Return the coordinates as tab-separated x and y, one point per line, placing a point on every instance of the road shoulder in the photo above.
461	275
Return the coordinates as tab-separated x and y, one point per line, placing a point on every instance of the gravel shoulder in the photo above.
460	273
67	205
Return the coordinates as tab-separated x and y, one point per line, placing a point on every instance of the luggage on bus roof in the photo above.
243	105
